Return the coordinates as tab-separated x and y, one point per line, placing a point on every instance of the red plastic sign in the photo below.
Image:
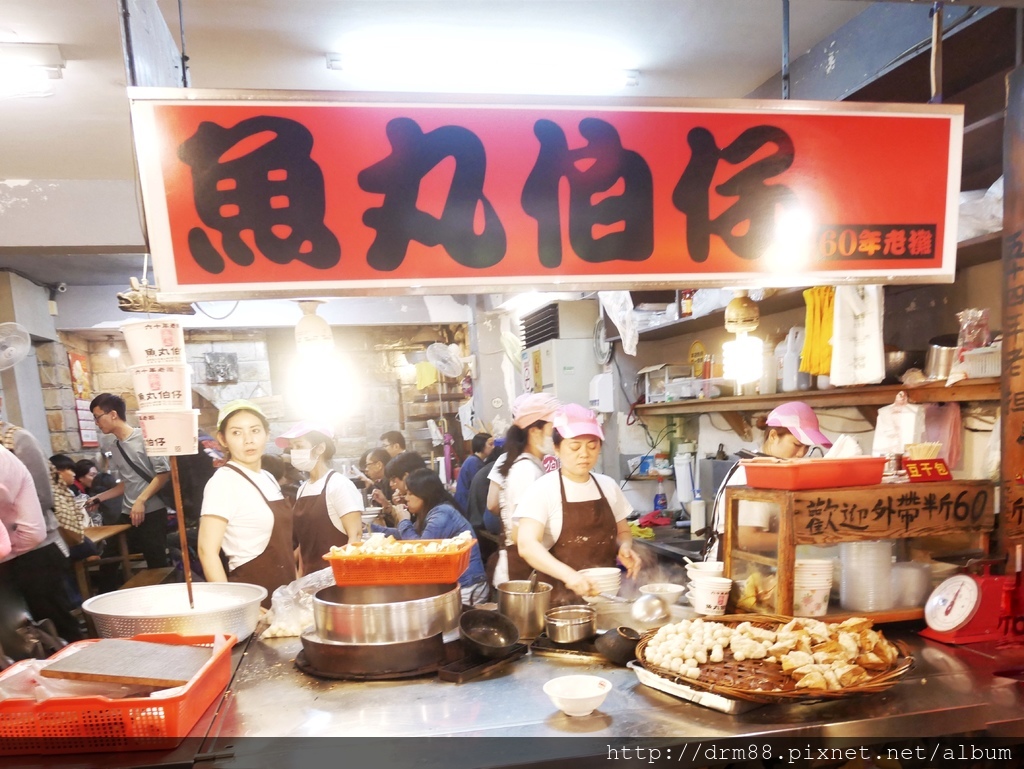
247	197
923	470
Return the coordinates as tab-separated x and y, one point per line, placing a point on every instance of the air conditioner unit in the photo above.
560	320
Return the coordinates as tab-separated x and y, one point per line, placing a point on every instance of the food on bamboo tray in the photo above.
772	659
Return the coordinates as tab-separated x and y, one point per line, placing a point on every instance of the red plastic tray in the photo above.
93	724
402	569
801	474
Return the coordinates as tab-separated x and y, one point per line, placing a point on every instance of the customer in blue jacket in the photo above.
430	512
483	445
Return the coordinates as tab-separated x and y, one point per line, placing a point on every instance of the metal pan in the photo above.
488	633
385	614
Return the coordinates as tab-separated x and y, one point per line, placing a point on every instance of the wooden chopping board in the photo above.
118	660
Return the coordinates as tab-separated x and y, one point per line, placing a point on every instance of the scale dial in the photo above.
953	603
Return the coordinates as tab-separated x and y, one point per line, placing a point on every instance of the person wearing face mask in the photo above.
575	518
244	513
527	442
790	430
328	506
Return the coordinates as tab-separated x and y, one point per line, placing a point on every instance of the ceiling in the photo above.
682	48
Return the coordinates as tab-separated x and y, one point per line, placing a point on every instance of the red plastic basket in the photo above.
94	724
403	569
801	474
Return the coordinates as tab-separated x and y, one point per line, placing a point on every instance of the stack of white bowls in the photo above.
812	585
608	579
866	583
708	591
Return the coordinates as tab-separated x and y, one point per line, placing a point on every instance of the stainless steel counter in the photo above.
949	691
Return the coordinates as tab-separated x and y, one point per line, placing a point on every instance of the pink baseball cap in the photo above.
573	420
304	428
533	407
799	419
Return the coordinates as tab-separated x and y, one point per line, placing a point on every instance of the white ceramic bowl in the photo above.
602	573
577	695
665	590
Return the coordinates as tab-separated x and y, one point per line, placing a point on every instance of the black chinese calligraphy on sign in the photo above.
747	226
258	179
610	188
398	221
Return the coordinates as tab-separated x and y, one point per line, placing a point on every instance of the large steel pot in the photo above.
525	608
220	607
329	656
385	614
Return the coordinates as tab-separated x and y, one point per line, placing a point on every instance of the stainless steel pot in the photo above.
523	607
568	624
385	614
371	659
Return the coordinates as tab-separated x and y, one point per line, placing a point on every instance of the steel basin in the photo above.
385	614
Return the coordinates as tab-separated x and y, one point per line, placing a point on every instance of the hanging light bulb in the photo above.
313	334
113	350
742	357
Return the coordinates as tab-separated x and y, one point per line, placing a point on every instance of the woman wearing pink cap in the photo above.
527	441
790	430
575	519
328	506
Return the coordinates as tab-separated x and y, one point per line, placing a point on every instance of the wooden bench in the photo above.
148	577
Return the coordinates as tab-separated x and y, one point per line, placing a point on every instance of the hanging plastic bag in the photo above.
291	607
897	425
618	305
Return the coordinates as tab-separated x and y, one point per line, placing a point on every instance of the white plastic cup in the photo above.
163	388
154	341
170	433
810	601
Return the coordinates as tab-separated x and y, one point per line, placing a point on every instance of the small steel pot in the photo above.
568	624
523	607
488	633
939	358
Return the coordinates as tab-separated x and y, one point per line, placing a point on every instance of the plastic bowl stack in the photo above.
812	586
608	579
866	582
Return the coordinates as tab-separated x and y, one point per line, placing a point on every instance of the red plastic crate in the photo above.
801	474
94	724
402	569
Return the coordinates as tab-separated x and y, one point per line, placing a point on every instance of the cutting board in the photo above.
119	660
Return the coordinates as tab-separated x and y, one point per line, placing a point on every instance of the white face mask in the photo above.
302	459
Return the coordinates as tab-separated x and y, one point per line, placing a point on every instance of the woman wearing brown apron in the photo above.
575	519
244	513
527	441
328	507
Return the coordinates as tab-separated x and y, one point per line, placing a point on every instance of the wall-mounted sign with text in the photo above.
250	194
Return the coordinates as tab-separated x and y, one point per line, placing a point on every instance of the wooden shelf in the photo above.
979	250
987	389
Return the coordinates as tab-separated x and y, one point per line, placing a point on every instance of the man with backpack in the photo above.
142	478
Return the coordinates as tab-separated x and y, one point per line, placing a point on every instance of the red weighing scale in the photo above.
971	608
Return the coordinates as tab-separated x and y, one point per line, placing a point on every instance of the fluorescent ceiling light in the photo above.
474	61
26	69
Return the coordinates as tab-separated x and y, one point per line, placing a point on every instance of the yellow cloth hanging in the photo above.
816	356
426	375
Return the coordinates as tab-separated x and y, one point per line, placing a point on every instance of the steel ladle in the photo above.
647	608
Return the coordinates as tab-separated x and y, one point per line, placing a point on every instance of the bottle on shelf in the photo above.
698	517
686	302
660	499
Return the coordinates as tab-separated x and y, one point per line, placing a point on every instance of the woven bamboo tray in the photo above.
760	681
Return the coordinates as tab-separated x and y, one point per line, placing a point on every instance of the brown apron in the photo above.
313	530
589	538
275	566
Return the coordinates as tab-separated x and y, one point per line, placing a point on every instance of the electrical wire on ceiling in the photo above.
226	315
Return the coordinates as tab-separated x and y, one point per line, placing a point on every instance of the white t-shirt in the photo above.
342	496
521	476
543	502
250	522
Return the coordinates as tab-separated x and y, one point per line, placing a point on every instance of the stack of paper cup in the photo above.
812	585
708	590
866	582
162	383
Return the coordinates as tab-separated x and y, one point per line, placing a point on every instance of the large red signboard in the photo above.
281	196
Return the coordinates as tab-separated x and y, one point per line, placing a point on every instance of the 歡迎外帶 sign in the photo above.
250	194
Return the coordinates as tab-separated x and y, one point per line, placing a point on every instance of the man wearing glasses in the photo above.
142	476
